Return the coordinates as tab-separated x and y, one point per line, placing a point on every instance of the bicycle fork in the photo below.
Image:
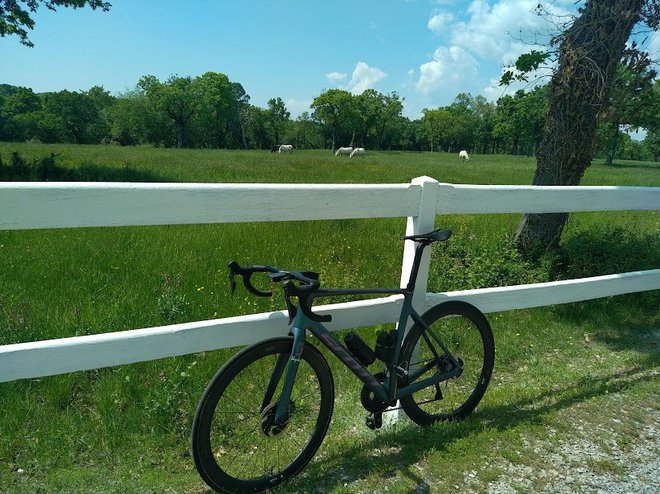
282	413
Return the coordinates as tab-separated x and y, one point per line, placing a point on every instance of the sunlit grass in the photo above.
125	429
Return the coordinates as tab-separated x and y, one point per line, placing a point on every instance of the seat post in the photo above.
415	267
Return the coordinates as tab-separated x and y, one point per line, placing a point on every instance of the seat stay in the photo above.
427	330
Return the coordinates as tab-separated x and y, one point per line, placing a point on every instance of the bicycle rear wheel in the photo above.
235	445
466	333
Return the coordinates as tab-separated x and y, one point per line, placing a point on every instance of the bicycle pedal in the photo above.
374	421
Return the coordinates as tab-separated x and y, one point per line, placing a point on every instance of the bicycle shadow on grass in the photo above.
400	449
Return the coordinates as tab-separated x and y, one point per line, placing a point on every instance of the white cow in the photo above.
286	148
344	151
463	156
358	152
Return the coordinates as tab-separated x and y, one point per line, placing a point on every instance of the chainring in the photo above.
369	400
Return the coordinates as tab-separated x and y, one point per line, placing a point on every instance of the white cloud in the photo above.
296	106
335	77
495	31
481	38
364	77
440	22
449	67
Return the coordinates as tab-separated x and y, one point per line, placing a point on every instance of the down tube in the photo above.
323	334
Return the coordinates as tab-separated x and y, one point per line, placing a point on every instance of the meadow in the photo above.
126	429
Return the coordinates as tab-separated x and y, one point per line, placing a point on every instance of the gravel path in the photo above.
586	465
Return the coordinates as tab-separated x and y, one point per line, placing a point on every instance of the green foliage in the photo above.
278	116
211	111
481	263
173	305
525	64
166	402
15	19
335	110
606	250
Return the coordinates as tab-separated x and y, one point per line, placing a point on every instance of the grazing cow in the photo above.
358	152
275	148
286	148
344	151
463	156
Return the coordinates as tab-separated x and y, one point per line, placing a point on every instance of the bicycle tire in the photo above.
231	450
465	331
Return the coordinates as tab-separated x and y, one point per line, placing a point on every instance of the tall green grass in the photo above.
125	429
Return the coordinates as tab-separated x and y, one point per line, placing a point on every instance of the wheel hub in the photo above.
268	425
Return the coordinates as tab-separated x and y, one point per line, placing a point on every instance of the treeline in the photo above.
210	111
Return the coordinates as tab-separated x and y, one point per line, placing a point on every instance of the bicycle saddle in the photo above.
430	237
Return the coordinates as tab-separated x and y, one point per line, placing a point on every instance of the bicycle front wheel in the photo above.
466	334
235	444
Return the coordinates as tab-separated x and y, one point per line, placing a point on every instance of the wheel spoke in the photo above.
244	443
466	338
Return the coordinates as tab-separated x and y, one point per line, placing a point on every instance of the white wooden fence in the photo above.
68	205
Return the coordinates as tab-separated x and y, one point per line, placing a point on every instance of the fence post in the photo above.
424	222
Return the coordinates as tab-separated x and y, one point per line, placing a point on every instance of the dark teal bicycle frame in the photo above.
388	392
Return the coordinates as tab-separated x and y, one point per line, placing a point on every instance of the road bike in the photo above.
265	413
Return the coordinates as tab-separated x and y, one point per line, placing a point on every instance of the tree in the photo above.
135	121
485	114
215	112
378	117
519	119
370	106
336	111
589	53
437	126
258	125
18	101
307	132
633	101
241	107
278	116
651	143
178	98
15	18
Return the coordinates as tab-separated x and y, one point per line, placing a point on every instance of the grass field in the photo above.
125	429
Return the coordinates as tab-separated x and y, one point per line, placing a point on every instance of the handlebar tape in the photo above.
246	274
309	280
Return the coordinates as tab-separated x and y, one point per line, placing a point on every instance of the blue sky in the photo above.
426	50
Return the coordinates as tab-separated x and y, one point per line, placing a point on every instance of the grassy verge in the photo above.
125	429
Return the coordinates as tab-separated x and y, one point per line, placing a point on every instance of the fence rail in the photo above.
79	204
68	205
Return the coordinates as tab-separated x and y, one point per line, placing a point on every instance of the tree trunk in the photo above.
611	148
179	128
589	53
